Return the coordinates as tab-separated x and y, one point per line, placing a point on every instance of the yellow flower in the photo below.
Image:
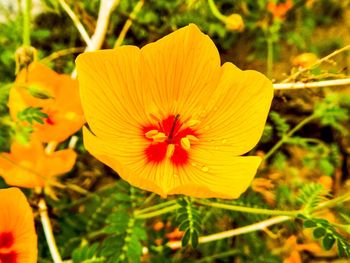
18	240
234	22
56	94
29	166
304	60
169	119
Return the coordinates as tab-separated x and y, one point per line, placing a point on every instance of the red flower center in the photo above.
169	139
6	241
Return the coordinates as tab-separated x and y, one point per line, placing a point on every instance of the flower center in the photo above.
170	139
6	241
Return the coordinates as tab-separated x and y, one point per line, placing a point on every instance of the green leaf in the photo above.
186	237
328	242
309	224
319	232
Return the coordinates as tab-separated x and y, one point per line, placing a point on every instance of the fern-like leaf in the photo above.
311	195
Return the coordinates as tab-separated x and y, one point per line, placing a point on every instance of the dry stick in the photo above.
235	232
318	84
318	62
76	21
128	23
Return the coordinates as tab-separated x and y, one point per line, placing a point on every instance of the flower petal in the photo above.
16	217
112	100
59	162
235	115
180	71
216	174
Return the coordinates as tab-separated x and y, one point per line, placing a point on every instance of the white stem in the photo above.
318	84
45	221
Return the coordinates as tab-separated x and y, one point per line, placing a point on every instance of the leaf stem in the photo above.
288	135
216	11
251	210
158	212
155	207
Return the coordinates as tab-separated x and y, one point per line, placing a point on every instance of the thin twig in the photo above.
317	84
76	21
61	53
45	221
128	23
318	62
235	232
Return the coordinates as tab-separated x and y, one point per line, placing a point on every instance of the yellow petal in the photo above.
237	111
216	175
112	99
180	71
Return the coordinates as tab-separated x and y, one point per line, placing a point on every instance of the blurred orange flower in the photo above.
234	22
18	240
305	60
169	119
29	166
56	94
294	249
280	10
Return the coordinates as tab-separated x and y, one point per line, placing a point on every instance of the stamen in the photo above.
159	137
192	123
151	133
170	150
185	143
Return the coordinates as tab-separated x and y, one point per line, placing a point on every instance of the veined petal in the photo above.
180	71
121	158
235	115
216	174
16	219
111	93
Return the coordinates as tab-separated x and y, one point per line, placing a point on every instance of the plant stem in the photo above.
235	232
157	213
128	23
216	11
26	6
220	255
316	84
251	210
155	207
45	220
269	57
288	135
333	202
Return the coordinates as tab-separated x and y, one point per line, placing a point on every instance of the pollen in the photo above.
159	137
170	151
151	133
185	143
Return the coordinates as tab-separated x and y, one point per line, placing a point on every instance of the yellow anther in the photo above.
185	143
192	123
151	133
170	150
159	137
192	138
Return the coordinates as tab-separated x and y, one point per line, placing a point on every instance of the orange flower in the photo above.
294	248
280	10
56	94
169	119
29	165
234	22
304	60
18	241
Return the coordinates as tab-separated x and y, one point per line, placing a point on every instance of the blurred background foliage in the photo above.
311	126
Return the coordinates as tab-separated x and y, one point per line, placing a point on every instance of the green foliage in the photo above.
87	254
280	123
190	222
328	235
32	114
310	195
330	112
